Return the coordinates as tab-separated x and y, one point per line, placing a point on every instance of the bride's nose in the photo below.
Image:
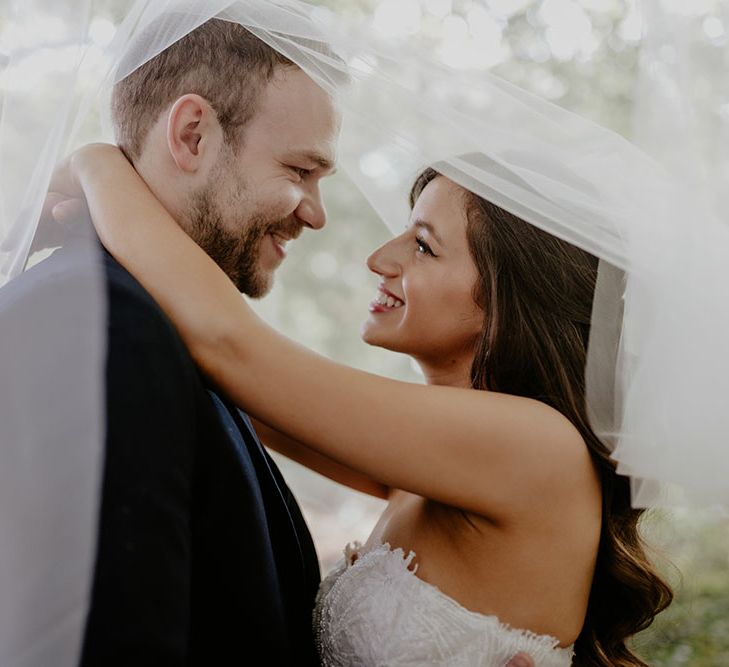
383	261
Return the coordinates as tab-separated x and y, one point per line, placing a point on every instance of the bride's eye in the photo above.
423	247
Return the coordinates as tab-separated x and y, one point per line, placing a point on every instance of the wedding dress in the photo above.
372	610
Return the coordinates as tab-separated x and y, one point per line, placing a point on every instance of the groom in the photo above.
203	555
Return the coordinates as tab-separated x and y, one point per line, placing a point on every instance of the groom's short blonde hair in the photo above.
220	61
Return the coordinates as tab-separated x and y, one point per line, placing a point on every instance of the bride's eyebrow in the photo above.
427	226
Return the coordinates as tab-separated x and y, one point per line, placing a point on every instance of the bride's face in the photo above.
425	303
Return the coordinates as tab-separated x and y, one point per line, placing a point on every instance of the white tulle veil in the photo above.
658	366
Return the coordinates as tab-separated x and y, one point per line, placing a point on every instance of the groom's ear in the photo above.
193	133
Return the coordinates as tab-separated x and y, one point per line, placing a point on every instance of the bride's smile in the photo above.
385	302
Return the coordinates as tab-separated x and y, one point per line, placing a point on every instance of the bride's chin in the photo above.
372	335
369	334
365	333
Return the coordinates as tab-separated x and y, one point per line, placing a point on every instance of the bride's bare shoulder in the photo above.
541	453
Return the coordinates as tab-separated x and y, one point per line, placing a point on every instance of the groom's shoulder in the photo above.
126	295
134	316
138	331
131	312
55	277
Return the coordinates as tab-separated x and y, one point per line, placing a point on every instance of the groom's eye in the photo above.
303	173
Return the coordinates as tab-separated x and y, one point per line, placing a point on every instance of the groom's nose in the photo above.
311	211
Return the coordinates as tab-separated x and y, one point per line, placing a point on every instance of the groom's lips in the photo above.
280	240
279	244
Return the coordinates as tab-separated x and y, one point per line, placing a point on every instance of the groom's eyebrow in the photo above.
321	161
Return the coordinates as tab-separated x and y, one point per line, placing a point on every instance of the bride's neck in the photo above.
455	374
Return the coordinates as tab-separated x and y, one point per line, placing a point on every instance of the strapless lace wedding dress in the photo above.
372	611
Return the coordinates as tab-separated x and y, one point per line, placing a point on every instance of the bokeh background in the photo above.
586	55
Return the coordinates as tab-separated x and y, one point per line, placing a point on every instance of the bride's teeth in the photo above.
383	299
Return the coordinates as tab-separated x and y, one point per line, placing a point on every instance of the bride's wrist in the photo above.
92	161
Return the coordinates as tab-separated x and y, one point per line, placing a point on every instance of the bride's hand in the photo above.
65	211
65	180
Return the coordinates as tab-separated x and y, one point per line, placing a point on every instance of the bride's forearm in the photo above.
142	235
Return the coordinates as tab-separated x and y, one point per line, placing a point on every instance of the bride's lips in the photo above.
385	302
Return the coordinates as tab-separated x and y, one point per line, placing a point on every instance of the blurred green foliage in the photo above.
693	553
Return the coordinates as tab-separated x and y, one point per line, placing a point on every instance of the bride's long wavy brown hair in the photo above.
538	292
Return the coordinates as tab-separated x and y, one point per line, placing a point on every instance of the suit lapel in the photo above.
283	515
263	462
293	555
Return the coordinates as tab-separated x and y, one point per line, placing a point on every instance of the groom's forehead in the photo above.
300	113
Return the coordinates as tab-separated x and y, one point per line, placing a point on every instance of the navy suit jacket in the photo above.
203	556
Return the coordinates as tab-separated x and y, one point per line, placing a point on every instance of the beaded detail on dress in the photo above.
372	611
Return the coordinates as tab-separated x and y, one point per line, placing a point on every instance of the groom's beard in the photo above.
237	254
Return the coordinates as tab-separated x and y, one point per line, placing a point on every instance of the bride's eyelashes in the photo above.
423	247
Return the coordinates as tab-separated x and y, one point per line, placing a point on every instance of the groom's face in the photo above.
265	191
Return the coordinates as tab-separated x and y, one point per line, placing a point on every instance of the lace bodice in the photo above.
374	612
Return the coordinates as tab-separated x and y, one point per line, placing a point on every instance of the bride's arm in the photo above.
317	462
486	452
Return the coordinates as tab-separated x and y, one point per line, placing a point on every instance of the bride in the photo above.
507	528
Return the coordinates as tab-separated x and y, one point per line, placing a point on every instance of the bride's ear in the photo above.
194	135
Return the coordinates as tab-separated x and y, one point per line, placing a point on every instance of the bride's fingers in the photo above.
520	660
70	212
60	219
53	199
63	180
49	233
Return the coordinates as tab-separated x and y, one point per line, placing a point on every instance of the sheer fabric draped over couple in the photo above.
507	534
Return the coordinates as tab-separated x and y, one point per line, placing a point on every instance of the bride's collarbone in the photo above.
489	569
